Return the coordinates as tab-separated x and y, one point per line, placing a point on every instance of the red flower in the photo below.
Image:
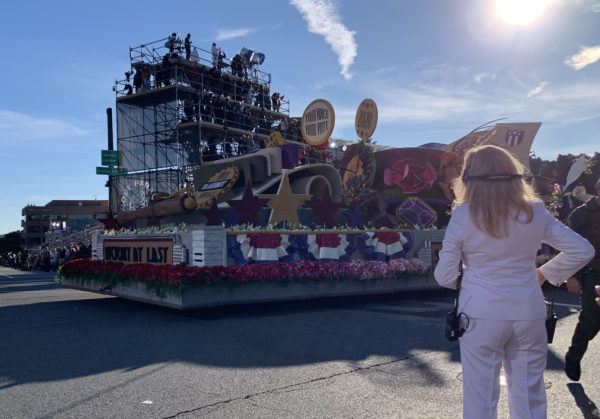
176	277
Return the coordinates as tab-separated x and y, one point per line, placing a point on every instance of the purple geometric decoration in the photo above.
415	212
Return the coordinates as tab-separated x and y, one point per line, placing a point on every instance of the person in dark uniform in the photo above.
188	46
585	220
138	79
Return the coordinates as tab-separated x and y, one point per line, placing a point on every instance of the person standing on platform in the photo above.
216	54
496	228
146	77
188	46
585	220
138	80
276	98
171	43
194	56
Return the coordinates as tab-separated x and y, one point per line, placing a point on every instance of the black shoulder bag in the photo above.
453	329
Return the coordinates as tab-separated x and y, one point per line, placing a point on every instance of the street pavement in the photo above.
72	354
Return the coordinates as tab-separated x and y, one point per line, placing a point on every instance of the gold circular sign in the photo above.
274	140
317	122
366	119
219	184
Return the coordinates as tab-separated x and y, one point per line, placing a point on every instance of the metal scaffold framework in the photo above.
177	109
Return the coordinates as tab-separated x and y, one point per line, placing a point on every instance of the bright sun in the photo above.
520	12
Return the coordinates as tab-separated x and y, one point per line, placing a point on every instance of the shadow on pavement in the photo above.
22	288
588	408
58	340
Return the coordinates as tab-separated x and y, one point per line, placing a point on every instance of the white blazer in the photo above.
499	280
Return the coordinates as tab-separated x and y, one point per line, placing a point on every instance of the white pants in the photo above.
521	345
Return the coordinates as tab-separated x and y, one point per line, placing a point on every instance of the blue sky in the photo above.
435	68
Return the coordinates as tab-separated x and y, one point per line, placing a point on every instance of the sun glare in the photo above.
520	12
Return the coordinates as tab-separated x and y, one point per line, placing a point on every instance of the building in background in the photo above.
60	217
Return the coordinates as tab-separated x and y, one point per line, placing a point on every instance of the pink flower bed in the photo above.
178	277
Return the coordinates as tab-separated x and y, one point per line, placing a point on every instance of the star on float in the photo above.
248	206
213	216
284	205
325	209
356	216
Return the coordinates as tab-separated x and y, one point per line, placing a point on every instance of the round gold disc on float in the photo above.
365	121
274	140
317	122
217	186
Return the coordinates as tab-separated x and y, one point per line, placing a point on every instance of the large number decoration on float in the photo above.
365	121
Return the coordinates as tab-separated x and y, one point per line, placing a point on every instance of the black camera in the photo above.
453	329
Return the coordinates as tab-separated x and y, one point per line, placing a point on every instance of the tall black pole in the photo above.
110	128
109	124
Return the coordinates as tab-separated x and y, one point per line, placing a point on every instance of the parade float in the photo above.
219	196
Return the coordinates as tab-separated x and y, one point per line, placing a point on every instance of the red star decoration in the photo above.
248	206
324	209
213	216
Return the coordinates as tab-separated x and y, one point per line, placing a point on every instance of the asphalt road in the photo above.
73	354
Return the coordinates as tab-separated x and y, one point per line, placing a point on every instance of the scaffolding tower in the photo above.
177	110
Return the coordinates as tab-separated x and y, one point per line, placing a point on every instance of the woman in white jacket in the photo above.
496	228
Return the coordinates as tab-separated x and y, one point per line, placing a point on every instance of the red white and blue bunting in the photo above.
385	245
274	247
263	247
329	246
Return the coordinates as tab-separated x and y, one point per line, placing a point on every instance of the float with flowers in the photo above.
208	211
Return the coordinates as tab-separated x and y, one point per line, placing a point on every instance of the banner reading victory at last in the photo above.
158	251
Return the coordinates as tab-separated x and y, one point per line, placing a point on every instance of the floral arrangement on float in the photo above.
171	278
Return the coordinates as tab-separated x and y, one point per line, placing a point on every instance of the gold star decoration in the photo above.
284	205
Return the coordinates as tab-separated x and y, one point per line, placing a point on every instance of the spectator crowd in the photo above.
48	257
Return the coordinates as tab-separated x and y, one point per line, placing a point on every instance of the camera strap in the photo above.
553	297
458	284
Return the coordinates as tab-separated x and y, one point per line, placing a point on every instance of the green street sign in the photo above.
110	157
111	171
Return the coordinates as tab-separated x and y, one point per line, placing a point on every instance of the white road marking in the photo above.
24	281
568	305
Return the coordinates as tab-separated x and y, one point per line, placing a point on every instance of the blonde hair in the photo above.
491	202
